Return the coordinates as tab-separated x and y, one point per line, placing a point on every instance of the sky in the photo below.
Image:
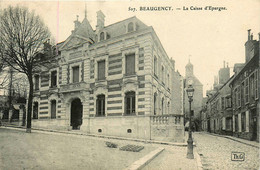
206	37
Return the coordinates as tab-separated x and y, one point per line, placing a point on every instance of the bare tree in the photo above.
22	34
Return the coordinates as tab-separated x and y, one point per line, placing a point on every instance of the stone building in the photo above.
115	80
245	93
196	104
219	109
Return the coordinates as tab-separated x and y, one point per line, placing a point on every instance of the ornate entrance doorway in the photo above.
76	114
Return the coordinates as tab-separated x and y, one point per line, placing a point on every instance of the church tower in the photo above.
189	70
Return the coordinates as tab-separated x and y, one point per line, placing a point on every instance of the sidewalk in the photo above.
173	157
244	141
100	136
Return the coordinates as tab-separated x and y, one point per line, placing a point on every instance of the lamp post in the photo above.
190	92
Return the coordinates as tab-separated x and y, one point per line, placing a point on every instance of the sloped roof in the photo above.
119	28
85	30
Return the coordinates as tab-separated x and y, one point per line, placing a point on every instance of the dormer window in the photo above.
108	36
130	27
102	36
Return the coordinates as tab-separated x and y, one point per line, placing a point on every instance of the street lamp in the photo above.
190	92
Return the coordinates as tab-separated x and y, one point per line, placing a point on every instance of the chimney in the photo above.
100	20
76	23
252	36
224	64
248	31
47	47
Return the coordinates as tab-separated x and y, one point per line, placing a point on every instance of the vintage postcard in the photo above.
152	85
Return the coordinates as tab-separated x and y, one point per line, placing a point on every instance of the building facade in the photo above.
232	108
196	104
115	80
245	94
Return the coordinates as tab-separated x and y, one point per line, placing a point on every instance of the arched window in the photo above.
155	100
53	109
102	36
130	103
130	27
35	110
162	105
100	105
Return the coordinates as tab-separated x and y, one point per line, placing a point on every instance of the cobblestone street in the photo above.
215	153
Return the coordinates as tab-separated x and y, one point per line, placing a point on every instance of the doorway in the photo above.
254	125
76	114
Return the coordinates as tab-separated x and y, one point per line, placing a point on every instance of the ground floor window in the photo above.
229	123
100	111
155	100
35	110
243	121
53	109
130	103
236	123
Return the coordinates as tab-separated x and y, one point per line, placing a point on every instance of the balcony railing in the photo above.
167	119
73	87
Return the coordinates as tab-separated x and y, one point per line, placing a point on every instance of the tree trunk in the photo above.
30	99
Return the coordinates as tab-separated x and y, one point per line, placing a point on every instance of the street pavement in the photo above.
215	153
55	151
52	150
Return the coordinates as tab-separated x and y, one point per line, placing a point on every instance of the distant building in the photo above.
115	80
245	93
233	108
196	105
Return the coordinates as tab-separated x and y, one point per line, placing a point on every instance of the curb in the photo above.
198	160
103	136
139	164
232	138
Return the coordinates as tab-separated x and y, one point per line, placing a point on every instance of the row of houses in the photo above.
115	80
232	107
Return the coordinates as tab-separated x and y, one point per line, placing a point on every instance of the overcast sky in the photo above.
209	37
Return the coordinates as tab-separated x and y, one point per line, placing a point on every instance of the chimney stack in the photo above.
252	36
224	64
76	23
100	20
248	34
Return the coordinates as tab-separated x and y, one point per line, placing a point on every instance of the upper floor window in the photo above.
101	70
130	103
155	66
53	78
246	91
163	74
130	27
102	36
130	64
222	103
75	74
37	82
